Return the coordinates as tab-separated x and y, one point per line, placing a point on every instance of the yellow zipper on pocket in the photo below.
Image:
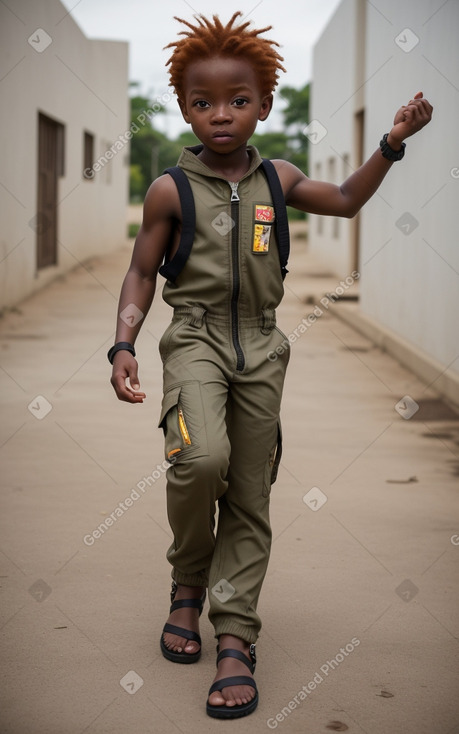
183	427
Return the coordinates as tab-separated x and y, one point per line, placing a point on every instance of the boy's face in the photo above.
223	102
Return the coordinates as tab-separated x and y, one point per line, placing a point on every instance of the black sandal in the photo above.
234	712
182	657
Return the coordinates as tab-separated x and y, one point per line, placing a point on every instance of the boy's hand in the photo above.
124	378
409	119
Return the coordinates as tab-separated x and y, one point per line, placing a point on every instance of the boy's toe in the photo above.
216	699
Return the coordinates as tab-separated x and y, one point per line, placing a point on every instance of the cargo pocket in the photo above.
182	420
272	465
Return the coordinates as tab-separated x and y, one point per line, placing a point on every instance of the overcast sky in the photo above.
149	25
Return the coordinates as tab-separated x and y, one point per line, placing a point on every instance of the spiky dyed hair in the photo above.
209	39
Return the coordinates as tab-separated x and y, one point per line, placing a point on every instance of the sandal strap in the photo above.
181	603
182	632
235	680
230	653
200	601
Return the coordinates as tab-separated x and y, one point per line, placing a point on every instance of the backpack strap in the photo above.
171	268
281	222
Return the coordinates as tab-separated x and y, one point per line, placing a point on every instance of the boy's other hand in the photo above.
124	378
409	119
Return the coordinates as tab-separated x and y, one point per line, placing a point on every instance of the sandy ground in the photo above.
360	603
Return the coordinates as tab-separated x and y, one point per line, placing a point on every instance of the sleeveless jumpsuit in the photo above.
222	394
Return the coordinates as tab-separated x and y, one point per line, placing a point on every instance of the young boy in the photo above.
218	225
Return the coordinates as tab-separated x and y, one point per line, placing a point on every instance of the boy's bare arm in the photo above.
318	197
161	208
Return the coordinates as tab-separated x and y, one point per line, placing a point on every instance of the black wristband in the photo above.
117	348
390	153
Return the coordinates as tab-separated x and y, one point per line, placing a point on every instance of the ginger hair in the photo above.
208	39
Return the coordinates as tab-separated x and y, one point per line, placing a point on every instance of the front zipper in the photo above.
240	359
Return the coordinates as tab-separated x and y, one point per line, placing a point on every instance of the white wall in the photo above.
412	285
334	83
409	281
82	84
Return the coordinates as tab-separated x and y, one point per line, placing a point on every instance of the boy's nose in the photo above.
221	114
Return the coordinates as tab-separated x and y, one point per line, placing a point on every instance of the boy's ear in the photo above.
266	107
183	110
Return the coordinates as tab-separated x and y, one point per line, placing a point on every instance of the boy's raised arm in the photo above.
318	197
160	208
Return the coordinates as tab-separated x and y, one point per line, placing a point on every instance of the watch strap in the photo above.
117	348
390	153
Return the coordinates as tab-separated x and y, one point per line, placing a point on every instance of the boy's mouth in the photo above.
222	135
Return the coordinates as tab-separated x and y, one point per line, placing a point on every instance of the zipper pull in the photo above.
234	194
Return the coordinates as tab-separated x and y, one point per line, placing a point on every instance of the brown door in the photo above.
50	167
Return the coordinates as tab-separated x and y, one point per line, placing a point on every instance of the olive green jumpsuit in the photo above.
222	394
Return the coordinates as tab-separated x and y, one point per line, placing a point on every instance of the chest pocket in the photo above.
263	215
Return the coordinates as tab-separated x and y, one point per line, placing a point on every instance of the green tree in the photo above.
187	138
297	110
136	184
151	150
272	144
296	118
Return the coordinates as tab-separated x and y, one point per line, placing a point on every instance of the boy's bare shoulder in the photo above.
289	175
162	201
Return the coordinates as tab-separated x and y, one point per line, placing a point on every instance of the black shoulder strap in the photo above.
171	268
282	230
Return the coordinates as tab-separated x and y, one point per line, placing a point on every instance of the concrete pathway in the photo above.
360	603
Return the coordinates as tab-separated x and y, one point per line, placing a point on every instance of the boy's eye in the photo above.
240	102
201	103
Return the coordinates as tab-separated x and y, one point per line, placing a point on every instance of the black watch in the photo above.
388	152
117	348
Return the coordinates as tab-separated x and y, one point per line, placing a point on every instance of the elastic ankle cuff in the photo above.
229	627
190	579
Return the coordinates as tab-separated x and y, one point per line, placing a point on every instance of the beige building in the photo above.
65	140
371	59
